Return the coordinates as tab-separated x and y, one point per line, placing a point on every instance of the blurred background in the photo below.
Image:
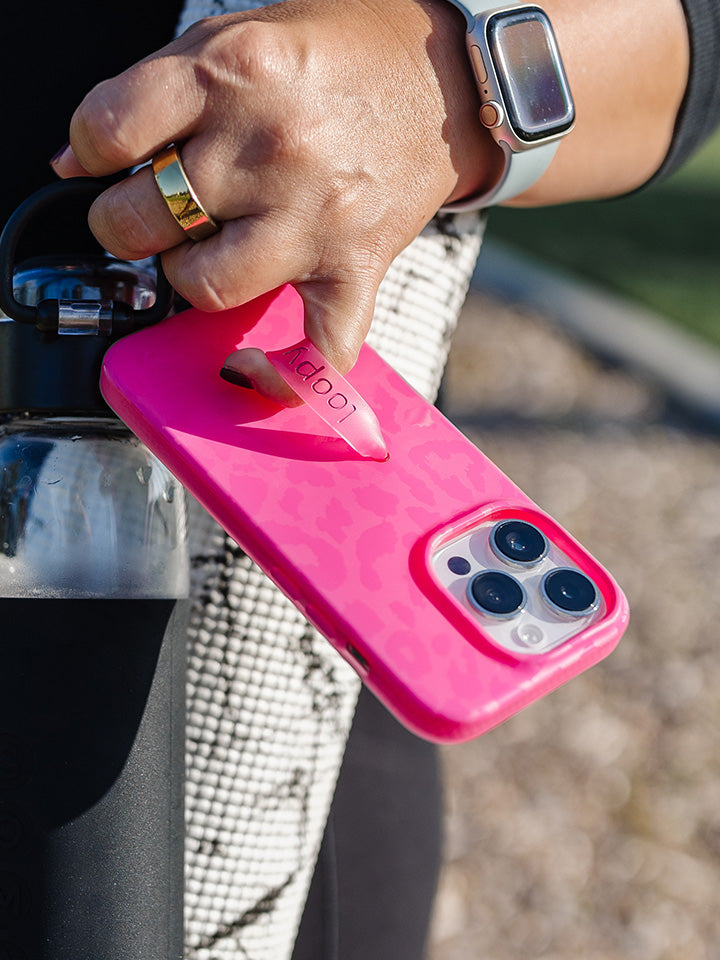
587	366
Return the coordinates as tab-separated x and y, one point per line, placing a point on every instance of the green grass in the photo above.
660	247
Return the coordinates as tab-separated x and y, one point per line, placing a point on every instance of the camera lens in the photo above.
518	541
570	591
496	593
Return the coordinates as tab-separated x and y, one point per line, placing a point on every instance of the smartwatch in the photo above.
525	100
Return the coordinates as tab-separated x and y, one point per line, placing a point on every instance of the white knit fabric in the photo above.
270	702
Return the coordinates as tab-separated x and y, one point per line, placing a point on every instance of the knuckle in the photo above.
205	293
352	202
98	132
345	195
256	52
245	52
199	29
245	70
246	66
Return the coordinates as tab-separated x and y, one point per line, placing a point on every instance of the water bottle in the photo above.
93	569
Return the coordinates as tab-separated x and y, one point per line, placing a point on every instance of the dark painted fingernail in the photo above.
236	378
64	149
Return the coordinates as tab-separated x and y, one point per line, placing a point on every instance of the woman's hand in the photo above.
323	136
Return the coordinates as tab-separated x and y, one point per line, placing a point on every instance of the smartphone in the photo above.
454	596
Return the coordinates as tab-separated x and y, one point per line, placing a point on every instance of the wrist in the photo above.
477	160
468	161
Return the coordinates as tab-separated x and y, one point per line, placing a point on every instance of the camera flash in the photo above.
529	634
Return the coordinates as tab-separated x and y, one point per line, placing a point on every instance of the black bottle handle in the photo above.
44	315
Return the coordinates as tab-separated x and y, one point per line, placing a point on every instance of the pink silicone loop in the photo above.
329	394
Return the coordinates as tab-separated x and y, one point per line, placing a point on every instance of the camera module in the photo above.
570	592
497	594
519	542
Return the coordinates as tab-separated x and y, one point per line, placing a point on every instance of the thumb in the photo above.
338	315
337	319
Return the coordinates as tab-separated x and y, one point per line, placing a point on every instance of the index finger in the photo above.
127	119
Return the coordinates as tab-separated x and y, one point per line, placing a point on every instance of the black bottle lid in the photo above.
48	365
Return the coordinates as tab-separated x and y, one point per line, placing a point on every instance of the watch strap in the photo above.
521	170
472	8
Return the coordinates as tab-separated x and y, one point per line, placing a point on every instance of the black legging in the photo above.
373	888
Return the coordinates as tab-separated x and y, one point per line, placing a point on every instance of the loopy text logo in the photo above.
309	373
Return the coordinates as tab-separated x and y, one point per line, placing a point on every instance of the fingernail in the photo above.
59	155
236	378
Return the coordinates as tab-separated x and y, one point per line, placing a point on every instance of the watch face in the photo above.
530	74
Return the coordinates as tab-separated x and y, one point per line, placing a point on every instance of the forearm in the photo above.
627	63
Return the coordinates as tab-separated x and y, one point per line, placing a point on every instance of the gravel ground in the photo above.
589	825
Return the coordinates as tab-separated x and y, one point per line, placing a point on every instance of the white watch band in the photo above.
520	170
473	8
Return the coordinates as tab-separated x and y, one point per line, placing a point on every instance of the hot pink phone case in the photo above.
348	539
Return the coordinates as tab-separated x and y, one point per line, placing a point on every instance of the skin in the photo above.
325	136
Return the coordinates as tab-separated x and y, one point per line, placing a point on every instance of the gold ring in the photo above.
179	195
